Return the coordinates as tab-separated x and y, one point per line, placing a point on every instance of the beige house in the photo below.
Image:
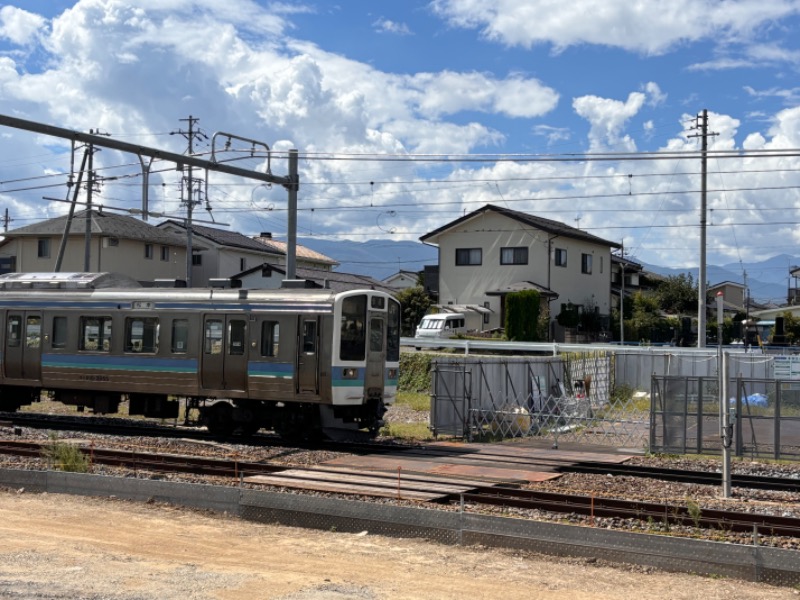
492	251
117	243
217	253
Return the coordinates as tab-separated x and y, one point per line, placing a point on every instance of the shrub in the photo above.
65	457
415	372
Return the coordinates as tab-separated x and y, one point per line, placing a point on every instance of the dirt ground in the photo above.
59	547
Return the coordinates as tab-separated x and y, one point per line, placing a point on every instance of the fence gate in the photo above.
450	399
567	398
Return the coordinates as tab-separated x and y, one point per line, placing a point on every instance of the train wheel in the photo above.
219	419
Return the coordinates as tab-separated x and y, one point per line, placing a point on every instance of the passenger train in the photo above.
299	361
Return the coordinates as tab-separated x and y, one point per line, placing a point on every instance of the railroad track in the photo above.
162	463
150	429
667	514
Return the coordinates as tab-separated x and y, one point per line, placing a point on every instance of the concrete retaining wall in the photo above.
754	563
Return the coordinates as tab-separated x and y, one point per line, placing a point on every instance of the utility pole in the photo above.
87	236
622	294
702	125
190	201
6	221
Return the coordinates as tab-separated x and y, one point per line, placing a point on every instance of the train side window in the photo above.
95	334
237	336
141	334
270	338
14	331
180	336
33	332
59	332
212	342
309	337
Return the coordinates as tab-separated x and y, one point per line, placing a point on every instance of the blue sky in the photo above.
358	80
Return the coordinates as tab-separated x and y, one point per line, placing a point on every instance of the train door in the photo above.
23	345
376	352
307	355
224	352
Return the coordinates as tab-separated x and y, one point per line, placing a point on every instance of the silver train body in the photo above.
296	360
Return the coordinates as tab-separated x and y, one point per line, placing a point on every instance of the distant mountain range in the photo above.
768	280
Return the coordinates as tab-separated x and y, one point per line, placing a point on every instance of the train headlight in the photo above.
349	373
392	373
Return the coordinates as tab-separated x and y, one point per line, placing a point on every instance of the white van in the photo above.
442	325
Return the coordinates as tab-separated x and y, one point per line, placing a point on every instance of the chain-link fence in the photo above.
568	397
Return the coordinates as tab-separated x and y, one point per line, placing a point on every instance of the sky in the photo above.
408	115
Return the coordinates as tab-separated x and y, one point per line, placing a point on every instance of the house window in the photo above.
560	257
43	249
514	256
486	315
468	256
197	260
148	251
242	264
165	253
586	264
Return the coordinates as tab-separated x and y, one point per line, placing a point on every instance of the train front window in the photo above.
393	332
95	334
141	334
353	330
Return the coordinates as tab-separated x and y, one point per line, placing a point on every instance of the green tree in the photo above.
645	317
414	303
677	294
522	316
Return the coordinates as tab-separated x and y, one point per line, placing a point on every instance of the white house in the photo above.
402	280
269	277
493	251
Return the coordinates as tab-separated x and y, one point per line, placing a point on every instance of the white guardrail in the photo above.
555	348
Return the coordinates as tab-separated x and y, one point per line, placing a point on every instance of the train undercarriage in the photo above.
223	417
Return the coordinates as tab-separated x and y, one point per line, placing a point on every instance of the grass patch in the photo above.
419	401
408	431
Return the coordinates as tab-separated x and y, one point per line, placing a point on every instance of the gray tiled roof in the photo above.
226	238
336	281
102	223
548	225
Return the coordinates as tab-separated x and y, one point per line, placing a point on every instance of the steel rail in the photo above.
594	506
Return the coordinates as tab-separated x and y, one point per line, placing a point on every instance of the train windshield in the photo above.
353	333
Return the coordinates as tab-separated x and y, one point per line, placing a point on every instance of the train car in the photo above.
298	361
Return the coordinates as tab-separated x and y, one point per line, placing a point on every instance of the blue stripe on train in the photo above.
120	363
270	370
